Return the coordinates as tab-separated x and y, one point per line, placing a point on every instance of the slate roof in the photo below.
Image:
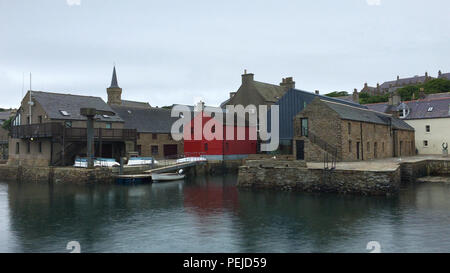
419	108
403	82
365	115
445	75
129	103
145	120
437	96
257	93
53	103
4	115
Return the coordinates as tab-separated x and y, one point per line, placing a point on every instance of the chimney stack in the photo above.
439	74
365	85
422	93
426	74
288	83
394	99
355	96
200	106
317	92
246	78
398	77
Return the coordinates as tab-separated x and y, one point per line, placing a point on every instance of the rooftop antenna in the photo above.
30	103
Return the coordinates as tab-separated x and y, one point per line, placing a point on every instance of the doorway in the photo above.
300	144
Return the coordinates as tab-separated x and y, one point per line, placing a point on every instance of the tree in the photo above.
7	124
337	94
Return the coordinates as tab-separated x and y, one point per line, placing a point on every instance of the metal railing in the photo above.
331	154
54	129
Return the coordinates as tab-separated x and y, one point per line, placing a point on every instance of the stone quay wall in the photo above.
410	171
294	175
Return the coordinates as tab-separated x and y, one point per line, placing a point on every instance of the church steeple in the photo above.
114	78
114	91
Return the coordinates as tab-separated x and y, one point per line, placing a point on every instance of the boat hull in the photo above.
162	177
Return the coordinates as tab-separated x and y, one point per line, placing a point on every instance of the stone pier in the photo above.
296	175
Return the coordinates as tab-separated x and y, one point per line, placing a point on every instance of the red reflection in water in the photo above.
210	199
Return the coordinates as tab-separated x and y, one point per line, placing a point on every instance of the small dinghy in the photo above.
161	177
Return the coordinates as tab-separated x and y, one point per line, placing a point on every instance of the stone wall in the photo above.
55	175
145	141
293	175
374	140
410	171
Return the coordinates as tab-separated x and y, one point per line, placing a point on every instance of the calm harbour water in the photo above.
209	214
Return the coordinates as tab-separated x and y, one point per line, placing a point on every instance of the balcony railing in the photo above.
57	130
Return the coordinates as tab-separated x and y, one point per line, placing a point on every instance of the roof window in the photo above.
64	113
430	109
106	116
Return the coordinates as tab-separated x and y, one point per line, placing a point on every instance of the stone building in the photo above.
349	133
153	124
430	117
258	93
48	129
4	135
292	103
391	86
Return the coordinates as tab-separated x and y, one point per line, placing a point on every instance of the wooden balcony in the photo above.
55	130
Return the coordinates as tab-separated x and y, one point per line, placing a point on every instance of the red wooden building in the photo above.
218	149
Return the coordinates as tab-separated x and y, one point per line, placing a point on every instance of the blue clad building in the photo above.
292	103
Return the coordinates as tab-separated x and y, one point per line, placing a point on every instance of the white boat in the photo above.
159	177
136	161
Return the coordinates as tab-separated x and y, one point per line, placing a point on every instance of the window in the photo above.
40	119
368	146
40	147
382	147
349	146
28	147
154	149
154	136
427	128
64	113
17	148
68	124
213	129
430	109
206	146
109	125
375	150
304	131
28	120
138	135
425	143
349	128
139	149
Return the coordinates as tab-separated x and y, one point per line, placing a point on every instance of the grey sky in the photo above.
176	51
